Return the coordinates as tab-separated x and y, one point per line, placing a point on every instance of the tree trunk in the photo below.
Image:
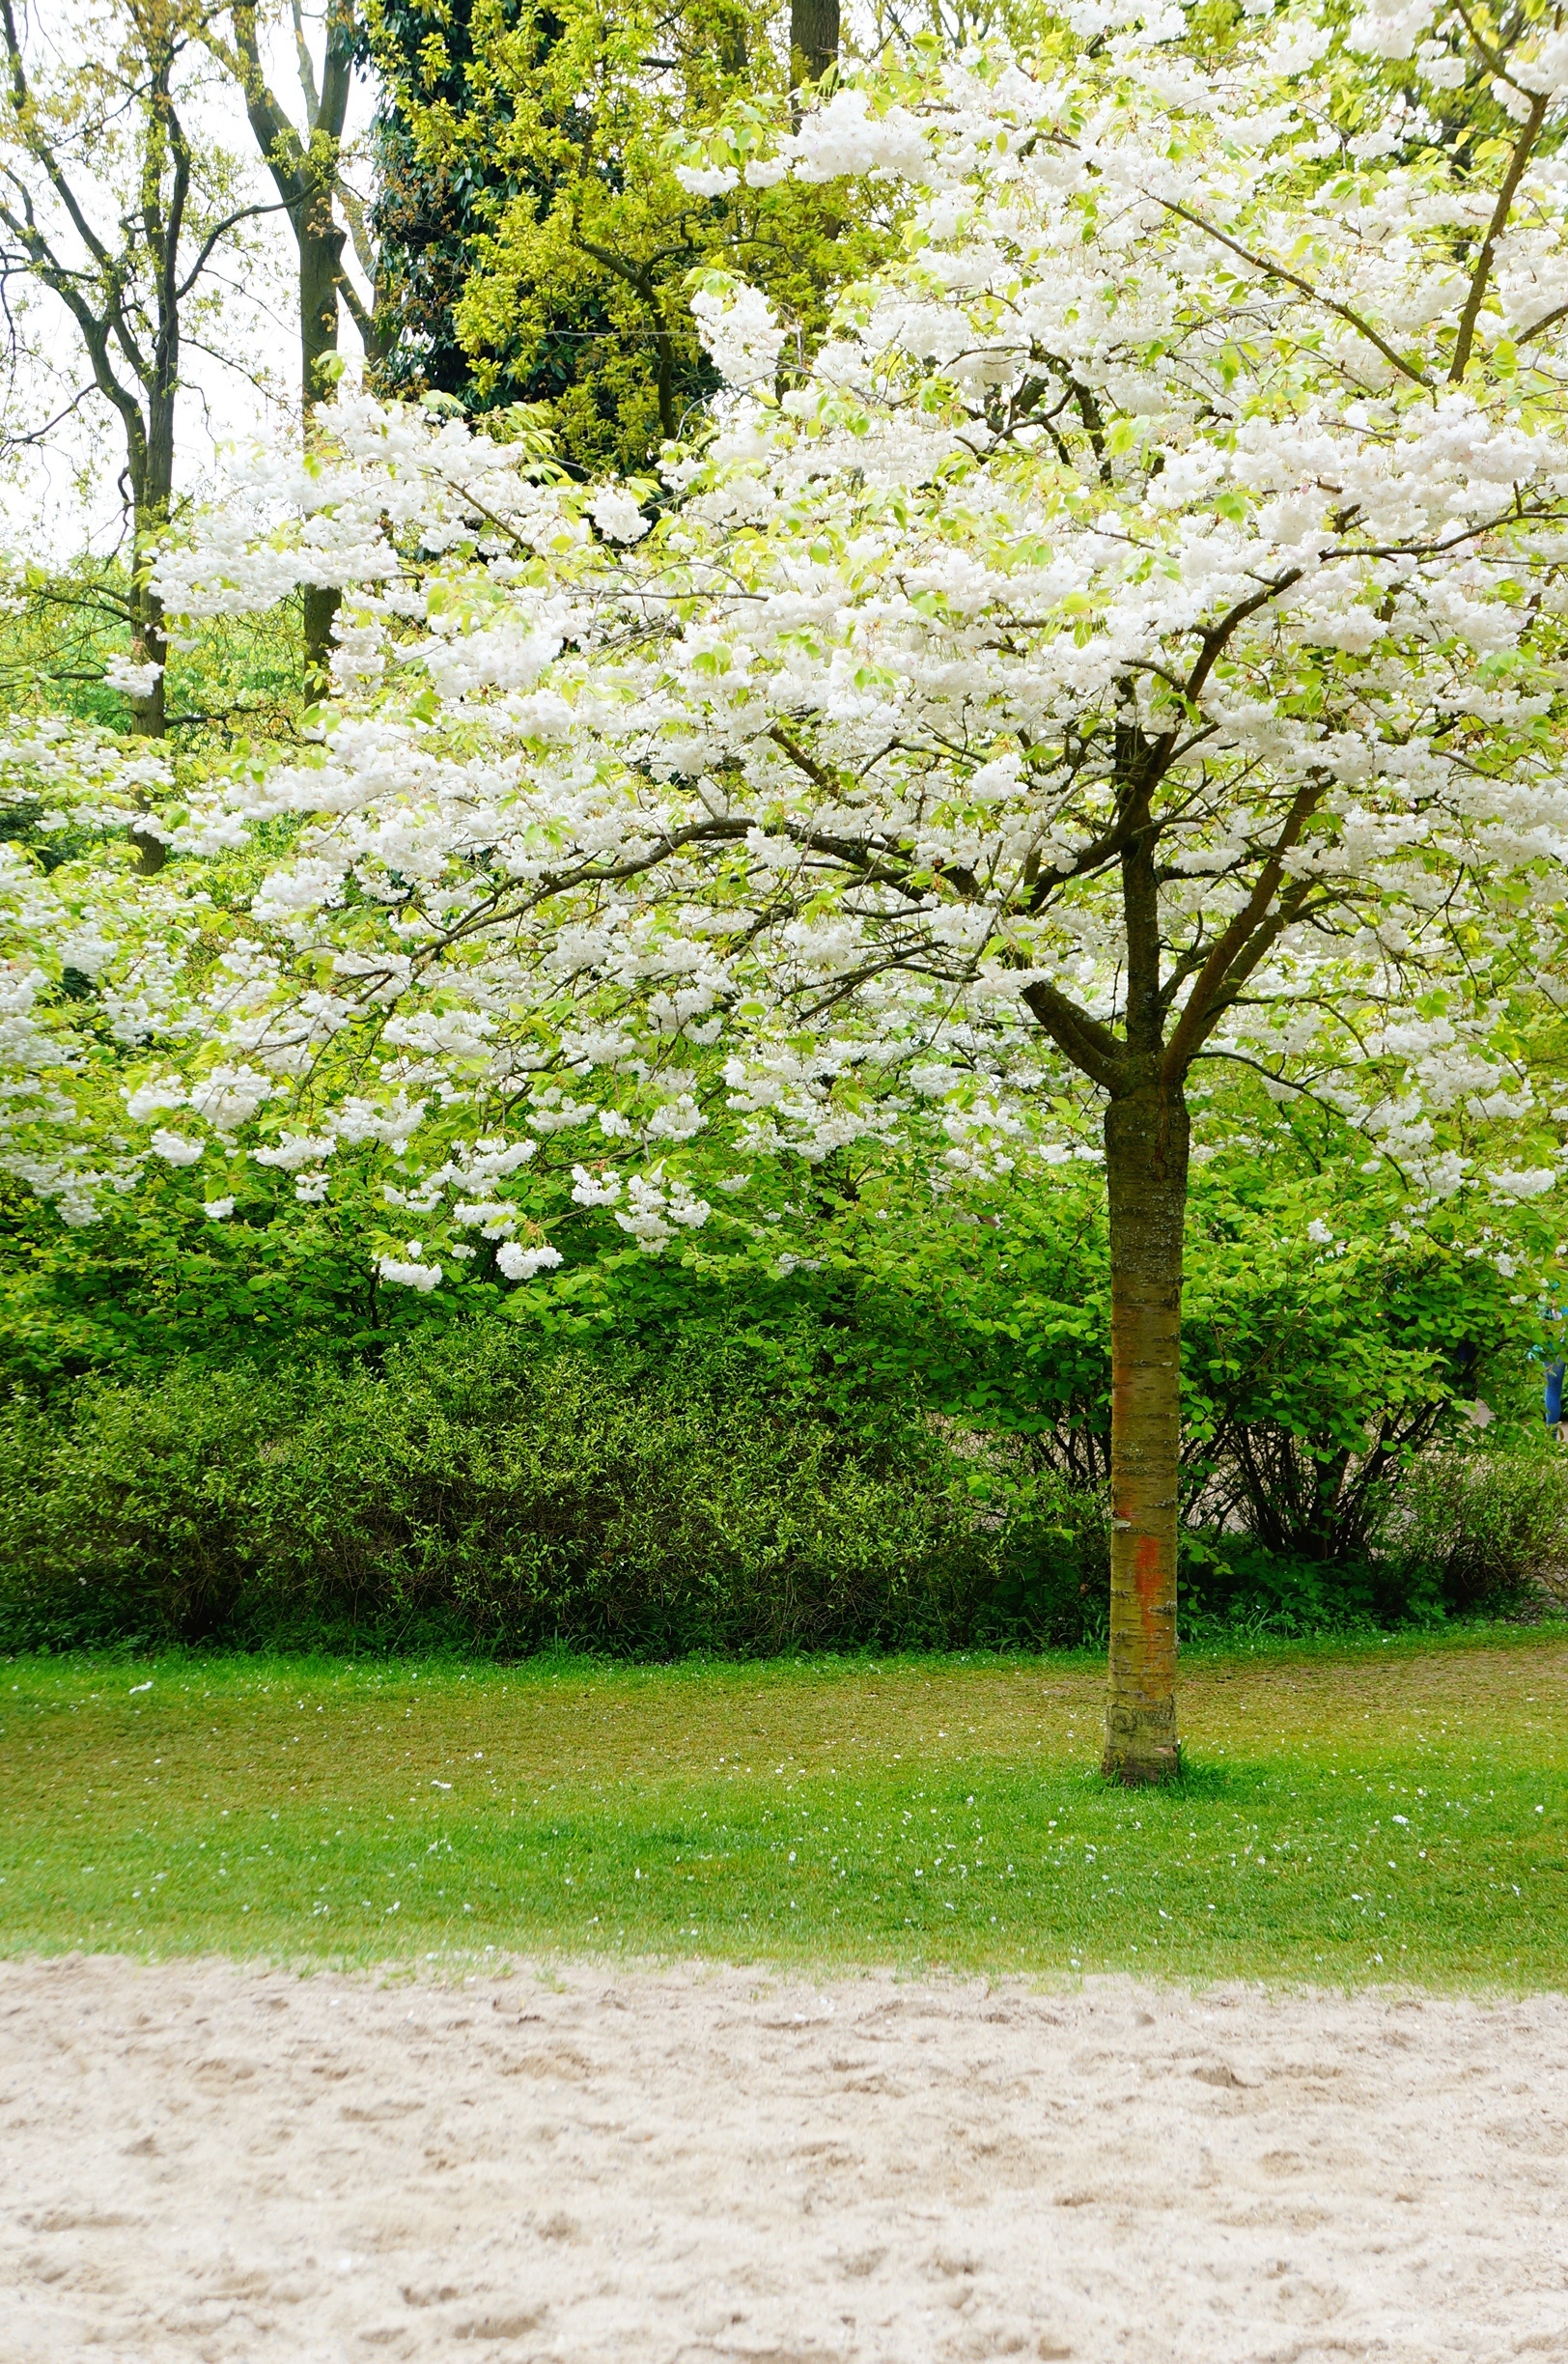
321	260
151	489
1146	1156
305	175
149	645
813	39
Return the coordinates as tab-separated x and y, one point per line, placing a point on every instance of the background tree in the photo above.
307	170
535	229
814	40
431	197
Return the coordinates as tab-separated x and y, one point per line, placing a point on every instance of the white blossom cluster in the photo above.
739	332
1143	623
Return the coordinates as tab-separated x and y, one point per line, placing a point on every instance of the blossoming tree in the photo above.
1135	642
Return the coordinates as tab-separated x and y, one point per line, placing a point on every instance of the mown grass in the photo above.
1347	1814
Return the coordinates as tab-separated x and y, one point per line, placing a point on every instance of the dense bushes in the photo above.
490	1492
474	1490
1481	1530
899	1439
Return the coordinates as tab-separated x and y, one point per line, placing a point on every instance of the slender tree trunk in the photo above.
321	260
152	485
149	644
1146	1158
305	175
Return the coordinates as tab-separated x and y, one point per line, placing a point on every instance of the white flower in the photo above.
409	1274
163	1092
617	514
520	1263
1528	1183
739	332
137	681
1319	1233
594	1190
218	1210
175	1148
707	180
292	1150
1390	28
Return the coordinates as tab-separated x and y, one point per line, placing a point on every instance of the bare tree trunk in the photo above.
151	453
149	645
1146	1161
151	492
320	266
814	34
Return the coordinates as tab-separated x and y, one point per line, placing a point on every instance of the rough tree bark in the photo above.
814	35
1146	1156
1143	1071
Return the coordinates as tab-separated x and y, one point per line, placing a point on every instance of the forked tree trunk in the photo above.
1146	1159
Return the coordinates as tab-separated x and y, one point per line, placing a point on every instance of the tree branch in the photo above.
1303	286
1228	965
1524	149
1092	1048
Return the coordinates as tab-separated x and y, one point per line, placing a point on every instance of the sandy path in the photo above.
210	2162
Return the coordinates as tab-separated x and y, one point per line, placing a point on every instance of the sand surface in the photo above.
630	2165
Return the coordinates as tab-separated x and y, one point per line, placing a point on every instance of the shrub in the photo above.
1449	1535
1484	1531
1235	1583
133	1516
508	1498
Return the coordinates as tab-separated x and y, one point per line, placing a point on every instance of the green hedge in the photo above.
474	1491
488	1493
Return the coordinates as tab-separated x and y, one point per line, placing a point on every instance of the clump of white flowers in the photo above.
408	1272
522	1263
138	679
737	329
617	514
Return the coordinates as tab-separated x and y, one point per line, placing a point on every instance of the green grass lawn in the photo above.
1390	1810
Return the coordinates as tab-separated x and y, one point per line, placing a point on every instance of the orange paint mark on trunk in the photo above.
1148	1581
